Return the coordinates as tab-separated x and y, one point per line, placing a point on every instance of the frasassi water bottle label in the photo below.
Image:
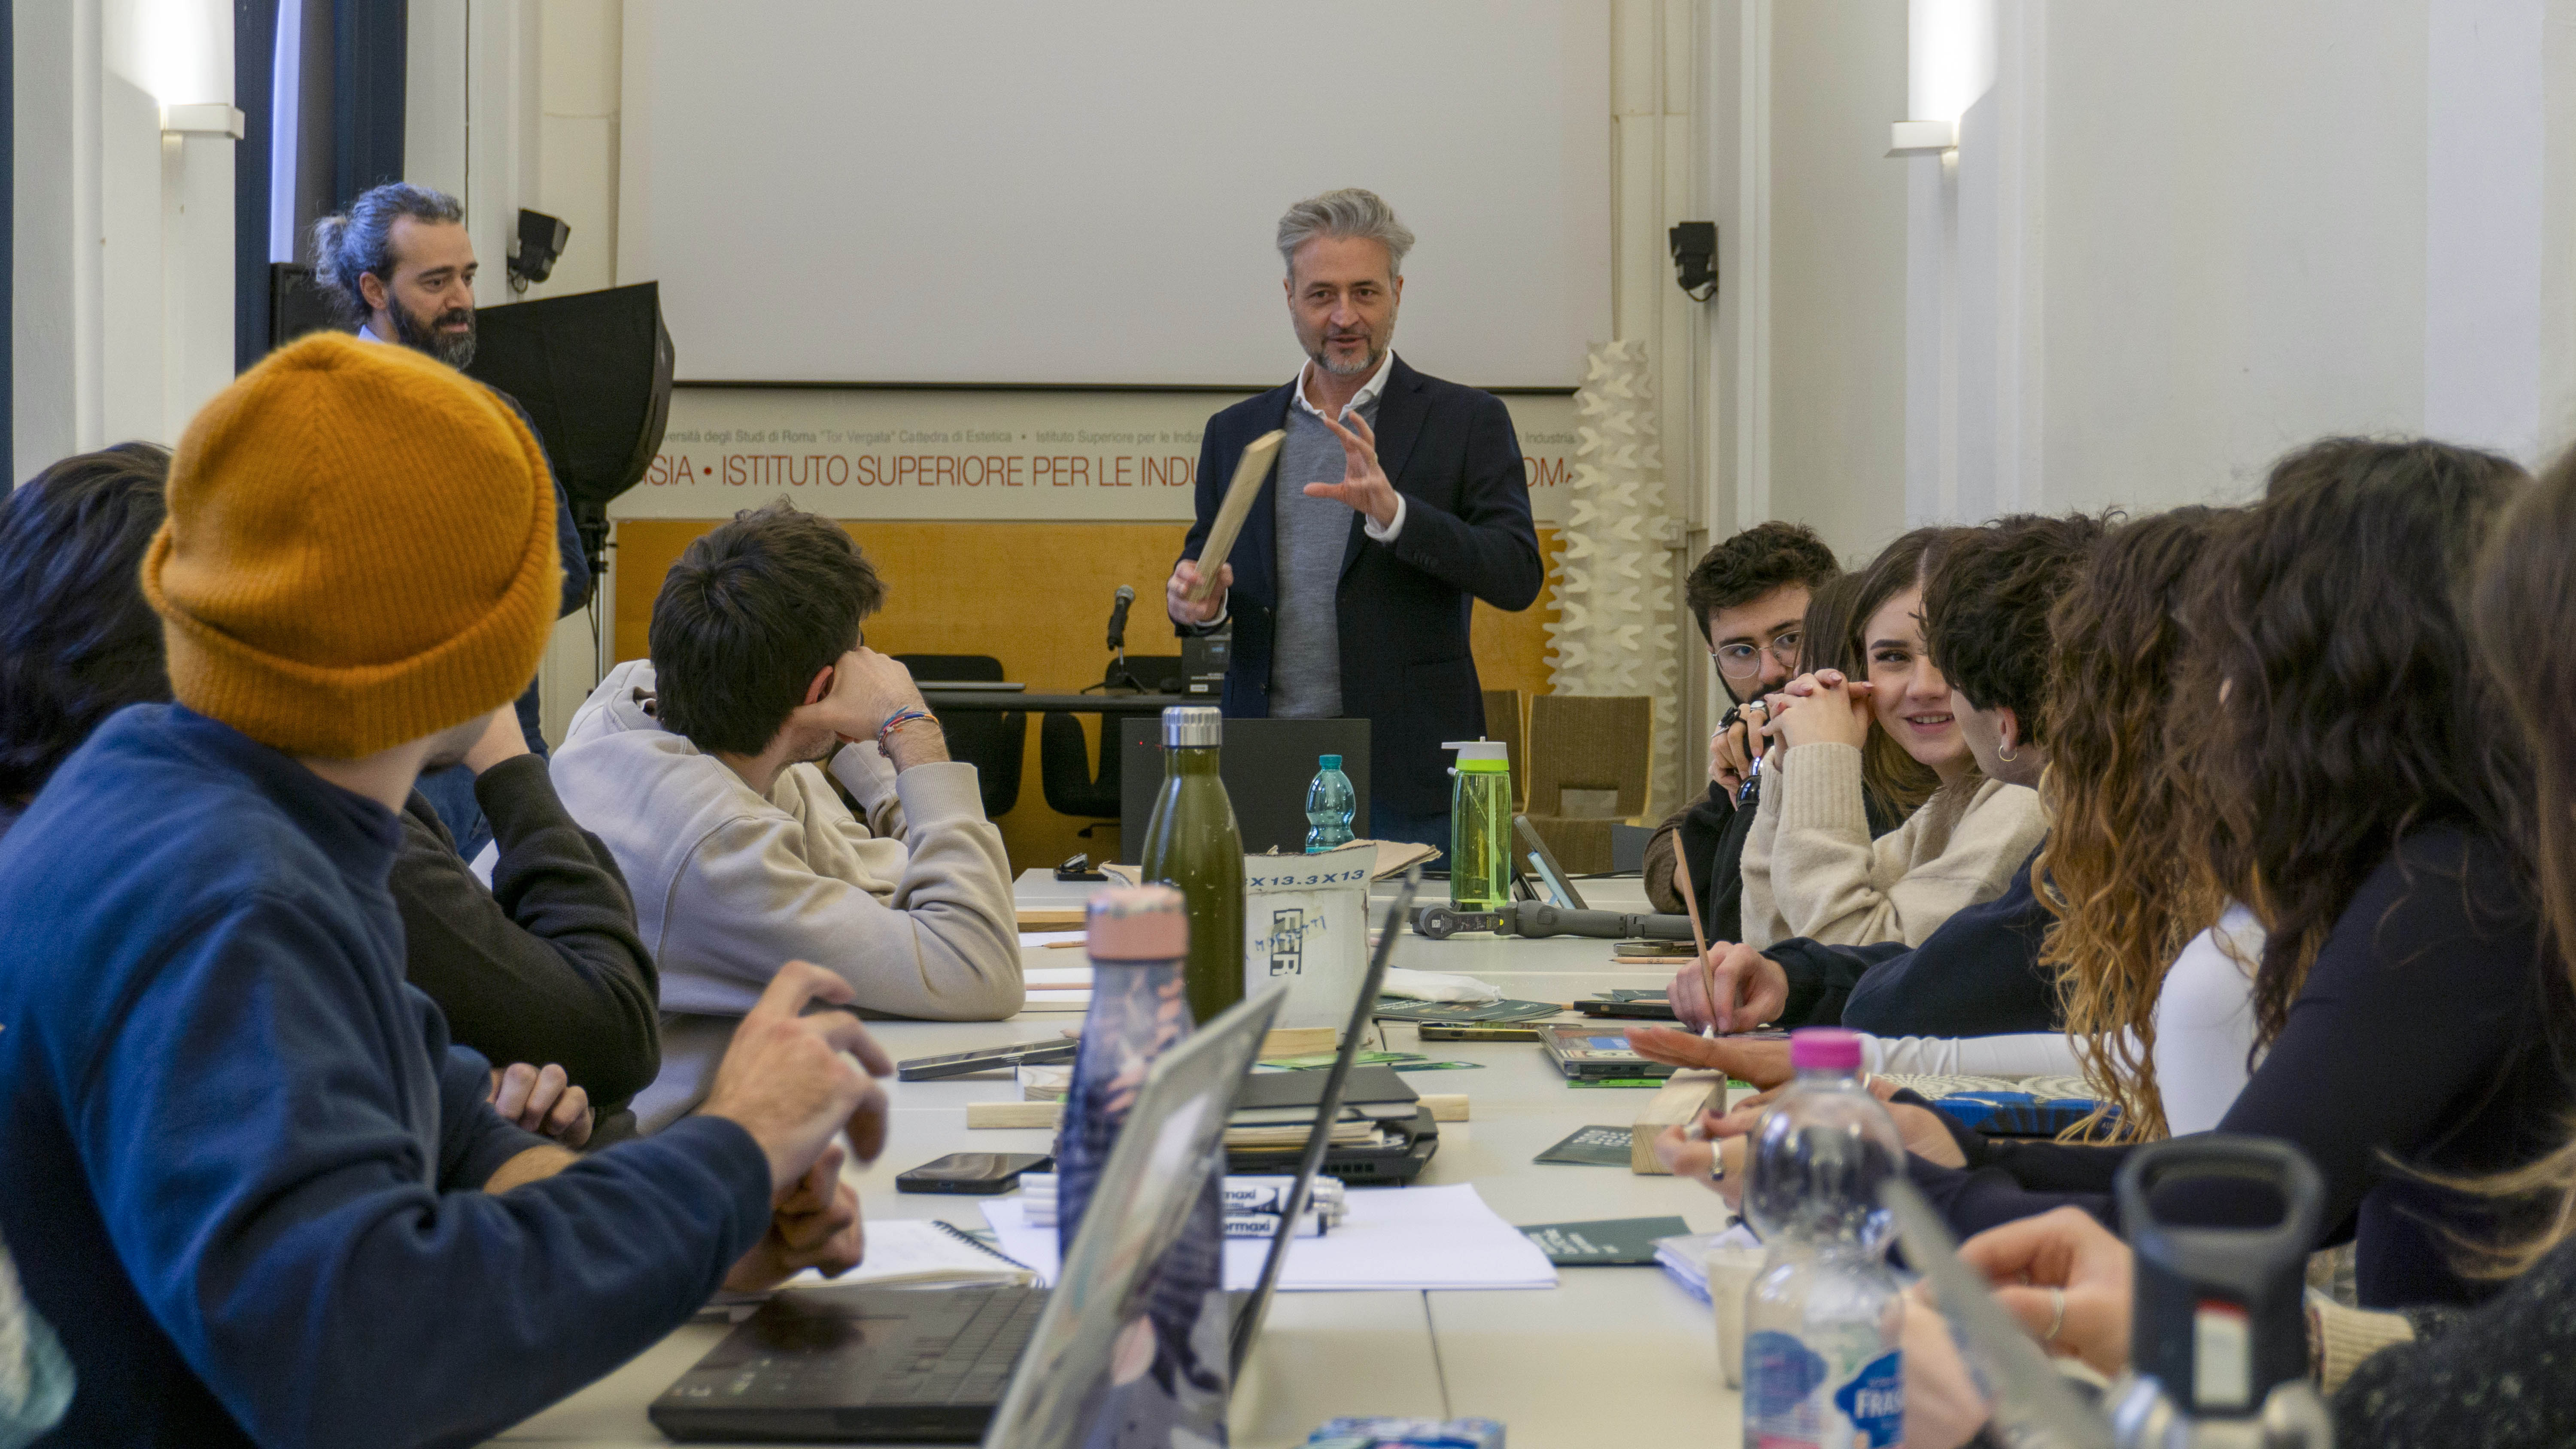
1874	1402
1782	1409
1790	1404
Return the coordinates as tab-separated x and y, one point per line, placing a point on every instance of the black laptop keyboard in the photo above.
971	1367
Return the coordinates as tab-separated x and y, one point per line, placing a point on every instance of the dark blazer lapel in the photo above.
1401	408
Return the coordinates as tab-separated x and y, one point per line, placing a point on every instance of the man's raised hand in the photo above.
794	1081
1364	485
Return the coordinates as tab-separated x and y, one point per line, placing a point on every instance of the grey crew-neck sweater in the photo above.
1306	652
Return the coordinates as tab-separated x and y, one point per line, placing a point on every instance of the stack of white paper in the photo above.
1403	1238
1057	980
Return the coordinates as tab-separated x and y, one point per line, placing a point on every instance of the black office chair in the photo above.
993	743
1065	771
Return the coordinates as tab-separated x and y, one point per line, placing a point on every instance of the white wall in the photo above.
2177	238
1018	193
123	270
1836	349
2246	270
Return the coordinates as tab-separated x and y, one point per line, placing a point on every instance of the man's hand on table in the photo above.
795	1081
817	1226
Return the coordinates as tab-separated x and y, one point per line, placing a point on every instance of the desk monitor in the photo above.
1266	764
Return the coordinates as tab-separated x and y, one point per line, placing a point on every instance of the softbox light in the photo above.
594	371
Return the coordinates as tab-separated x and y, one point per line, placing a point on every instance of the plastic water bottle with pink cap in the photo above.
1824	1317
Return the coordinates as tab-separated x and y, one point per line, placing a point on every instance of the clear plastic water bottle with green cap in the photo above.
1330	804
1480	825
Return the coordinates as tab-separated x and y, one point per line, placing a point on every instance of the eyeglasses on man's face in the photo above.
1740	660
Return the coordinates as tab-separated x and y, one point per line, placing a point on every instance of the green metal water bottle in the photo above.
1192	845
1480	826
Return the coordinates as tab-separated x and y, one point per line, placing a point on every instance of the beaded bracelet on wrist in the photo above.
897	721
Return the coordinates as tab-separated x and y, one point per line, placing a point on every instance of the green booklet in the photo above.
1591	1147
1391	1008
1608	1243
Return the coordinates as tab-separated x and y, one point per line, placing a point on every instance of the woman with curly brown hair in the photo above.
2362	783
2428	1377
2117	862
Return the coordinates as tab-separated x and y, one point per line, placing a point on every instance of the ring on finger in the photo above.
2056	1315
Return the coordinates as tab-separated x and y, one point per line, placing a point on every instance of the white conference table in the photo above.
1610	1355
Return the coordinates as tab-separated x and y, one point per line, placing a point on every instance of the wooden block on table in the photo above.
1298	1041
1052	918
1446	1106
1014	1114
1682	1097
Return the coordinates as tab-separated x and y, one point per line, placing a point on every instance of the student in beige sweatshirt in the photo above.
1810	866
704	771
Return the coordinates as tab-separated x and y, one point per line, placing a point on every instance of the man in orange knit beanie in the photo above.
249	1182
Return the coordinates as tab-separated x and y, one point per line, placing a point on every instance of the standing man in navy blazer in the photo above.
1397	501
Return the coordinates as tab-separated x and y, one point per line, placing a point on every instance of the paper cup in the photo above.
1730	1280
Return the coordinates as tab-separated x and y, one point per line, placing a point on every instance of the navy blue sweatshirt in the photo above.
243	1163
2421	1042
1977	975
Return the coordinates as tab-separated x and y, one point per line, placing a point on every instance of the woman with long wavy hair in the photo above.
2116	865
2429	1377
2364	785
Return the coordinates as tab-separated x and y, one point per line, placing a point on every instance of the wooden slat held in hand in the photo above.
1248	473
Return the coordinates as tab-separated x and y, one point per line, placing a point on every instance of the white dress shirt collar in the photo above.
1368	390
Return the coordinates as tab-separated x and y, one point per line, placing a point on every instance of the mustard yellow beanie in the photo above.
360	551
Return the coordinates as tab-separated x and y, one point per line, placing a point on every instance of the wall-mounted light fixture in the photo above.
1922	138
216	119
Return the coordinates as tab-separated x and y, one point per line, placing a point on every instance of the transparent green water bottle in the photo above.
1193	845
1480	826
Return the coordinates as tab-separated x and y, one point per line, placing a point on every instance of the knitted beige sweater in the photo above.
1810	868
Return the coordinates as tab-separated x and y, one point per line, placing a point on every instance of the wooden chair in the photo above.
1600	746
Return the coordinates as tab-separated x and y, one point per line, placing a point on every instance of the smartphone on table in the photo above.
974	1173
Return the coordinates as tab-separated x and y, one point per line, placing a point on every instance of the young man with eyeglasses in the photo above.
1747	597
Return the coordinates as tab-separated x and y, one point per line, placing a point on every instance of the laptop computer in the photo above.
1402	1143
1265	763
1552	879
1013	1366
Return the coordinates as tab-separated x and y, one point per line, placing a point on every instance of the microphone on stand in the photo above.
1118	621
1118	673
